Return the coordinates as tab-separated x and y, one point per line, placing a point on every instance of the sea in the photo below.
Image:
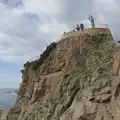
7	98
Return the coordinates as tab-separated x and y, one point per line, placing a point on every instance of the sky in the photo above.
28	26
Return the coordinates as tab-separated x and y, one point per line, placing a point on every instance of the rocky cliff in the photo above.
72	80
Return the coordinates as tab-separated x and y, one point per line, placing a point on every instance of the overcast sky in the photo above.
28	26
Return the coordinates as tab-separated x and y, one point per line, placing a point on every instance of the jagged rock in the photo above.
3	114
105	98
72	80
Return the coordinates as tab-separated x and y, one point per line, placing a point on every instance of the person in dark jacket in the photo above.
77	28
81	26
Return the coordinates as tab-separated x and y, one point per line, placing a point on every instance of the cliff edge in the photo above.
72	80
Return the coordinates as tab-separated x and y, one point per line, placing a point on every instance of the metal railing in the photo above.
67	34
96	26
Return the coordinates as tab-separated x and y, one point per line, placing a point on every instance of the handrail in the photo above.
99	25
85	27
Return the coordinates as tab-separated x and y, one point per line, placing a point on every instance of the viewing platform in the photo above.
102	28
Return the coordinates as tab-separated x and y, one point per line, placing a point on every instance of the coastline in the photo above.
10	96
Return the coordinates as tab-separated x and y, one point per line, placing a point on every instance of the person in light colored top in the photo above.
92	21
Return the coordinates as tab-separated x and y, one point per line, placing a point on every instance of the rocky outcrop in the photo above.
72	80
3	114
35	64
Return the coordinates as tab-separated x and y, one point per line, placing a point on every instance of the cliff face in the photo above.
72	80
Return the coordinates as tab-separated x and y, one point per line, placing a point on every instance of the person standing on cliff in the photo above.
92	21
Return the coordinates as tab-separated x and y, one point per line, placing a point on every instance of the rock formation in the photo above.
72	80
